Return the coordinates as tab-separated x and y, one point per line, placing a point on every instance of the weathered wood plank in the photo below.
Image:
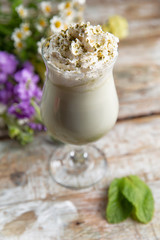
138	89
100	10
132	147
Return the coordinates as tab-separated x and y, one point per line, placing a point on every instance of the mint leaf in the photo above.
118	208
140	196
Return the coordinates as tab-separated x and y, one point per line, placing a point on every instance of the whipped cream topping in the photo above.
81	48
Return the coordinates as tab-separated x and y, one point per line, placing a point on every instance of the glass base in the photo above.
77	167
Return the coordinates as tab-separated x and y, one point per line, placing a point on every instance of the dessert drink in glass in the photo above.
79	103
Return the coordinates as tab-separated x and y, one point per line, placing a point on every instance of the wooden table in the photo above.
33	207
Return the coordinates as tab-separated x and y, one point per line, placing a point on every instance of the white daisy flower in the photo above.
56	24
23	121
17	35
65	5
78	6
22	11
39	45
18	45
46	8
67	14
41	24
25	29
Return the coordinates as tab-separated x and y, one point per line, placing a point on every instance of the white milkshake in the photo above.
79	103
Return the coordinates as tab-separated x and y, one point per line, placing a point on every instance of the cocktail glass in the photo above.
77	114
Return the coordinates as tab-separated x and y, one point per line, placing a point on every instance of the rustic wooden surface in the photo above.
33	207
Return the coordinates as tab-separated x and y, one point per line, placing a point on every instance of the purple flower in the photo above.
5	96
26	75
6	92
8	63
26	87
17	89
37	126
23	75
25	91
3	77
21	110
27	65
37	94
35	78
9	86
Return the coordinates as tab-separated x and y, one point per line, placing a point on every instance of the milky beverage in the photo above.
79	103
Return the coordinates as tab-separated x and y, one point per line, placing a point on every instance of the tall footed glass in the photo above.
78	113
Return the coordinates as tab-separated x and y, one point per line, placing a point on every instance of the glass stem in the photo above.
79	156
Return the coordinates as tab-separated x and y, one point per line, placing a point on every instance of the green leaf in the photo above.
16	3
37	110
32	5
25	137
118	208
5	30
140	196
14	131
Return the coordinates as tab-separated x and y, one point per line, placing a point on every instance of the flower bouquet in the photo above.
19	97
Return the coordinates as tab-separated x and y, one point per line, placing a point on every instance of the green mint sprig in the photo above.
129	196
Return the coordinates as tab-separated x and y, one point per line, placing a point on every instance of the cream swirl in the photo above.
81	48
